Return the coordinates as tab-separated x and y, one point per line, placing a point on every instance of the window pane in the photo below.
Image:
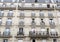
7	31
54	40
10	13
20	30
0	21
41	1
33	40
5	40
1	13
29	1
8	0
9	22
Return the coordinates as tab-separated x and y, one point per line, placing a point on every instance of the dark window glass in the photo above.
5	40
54	40
33	40
20	30
35	0
7	32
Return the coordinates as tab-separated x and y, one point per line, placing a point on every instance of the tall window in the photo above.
35	0
54	40
7	32
9	0
10	13
5	40
21	22
0	21
20	30
1	13
41	14
33	40
9	21
42	23
50	15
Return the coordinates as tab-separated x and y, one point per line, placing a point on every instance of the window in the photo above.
41	1
50	15
20	40
22	14
6	32
35	0
33	40
41	15
32	14
9	21
8	0
1	13
21	22
51	22
44	40
20	30
0	21
48	5
54	40
42	23
10	13
5	40
29	1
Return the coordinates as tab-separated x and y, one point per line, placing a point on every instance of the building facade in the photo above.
29	20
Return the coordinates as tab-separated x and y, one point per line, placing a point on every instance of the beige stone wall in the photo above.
15	22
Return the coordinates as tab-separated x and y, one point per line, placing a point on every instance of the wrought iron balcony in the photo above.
20	35
32	34
38	34
8	23
6	6
6	35
35	6
53	35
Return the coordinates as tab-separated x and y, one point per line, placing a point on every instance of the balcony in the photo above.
38	34
5	35
57	6
37	6
7	6
53	33
20	35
